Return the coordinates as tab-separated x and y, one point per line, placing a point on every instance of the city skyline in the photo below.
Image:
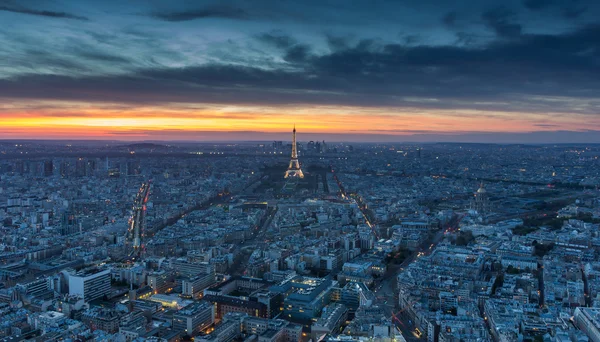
516	72
300	171
109	241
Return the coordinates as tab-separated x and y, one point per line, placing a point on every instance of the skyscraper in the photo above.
294	167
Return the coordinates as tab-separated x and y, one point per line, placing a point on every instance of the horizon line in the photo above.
483	137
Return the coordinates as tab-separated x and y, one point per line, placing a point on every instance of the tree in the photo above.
464	238
512	270
541	249
498	283
523	230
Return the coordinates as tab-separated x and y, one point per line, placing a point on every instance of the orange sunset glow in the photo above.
193	72
106	122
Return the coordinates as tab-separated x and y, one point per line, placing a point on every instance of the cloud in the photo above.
569	10
294	51
449	19
277	39
215	11
412	39
297	54
522	74
77	59
573	12
336	43
9	7
536	5
502	21
102	56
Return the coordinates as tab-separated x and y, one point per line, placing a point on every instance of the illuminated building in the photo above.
90	284
194	318
481	202
588	320
102	319
331	321
159	281
185	267
170	301
193	287
253	300
294	167
305	297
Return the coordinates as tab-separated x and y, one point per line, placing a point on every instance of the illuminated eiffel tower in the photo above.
294	168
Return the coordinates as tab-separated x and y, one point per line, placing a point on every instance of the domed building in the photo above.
481	201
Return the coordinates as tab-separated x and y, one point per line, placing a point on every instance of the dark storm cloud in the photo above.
277	39
535	5
507	70
411	39
297	54
336	42
524	74
9	6
449	19
214	11
466	39
569	9
77	57
573	11
502	20
101	56
294	52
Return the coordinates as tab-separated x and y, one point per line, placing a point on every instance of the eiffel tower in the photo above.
294	168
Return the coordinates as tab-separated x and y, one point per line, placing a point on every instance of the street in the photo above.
387	292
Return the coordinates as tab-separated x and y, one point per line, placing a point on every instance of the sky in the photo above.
376	70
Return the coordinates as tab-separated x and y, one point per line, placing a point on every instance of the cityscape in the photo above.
300	171
299	241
